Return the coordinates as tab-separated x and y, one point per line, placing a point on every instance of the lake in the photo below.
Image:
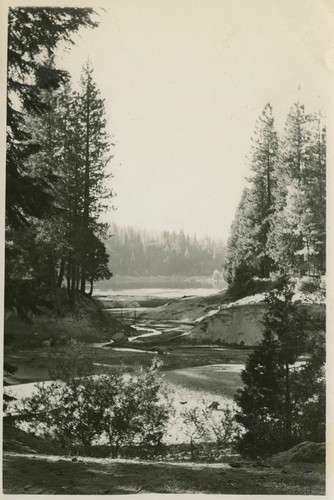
158	286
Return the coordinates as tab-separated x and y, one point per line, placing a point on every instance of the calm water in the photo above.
158	287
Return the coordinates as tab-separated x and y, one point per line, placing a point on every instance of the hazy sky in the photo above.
184	82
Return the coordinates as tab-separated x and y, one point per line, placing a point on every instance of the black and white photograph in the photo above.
164	246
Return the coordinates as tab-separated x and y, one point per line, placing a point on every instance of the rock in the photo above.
119	337
235	465
303	452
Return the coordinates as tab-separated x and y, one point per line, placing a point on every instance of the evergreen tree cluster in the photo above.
135	252
280	222
57	157
282	403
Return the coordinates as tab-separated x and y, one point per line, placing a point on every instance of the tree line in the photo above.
136	252
278	234
280	223
58	151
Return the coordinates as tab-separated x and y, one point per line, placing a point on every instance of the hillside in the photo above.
86	321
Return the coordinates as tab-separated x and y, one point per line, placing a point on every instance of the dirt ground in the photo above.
43	474
32	465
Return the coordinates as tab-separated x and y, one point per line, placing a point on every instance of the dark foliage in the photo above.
56	154
33	35
280	223
282	404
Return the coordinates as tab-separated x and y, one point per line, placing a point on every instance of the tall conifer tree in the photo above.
264	157
297	236
95	148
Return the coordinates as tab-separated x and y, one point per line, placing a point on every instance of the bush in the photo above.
69	412
70	361
210	430
119	409
140	413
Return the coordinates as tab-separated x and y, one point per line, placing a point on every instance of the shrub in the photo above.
118	408
140	413
210	430
70	361
308	286
70	412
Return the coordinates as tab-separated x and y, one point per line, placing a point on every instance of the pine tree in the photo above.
60	240
33	36
297	235
248	253
262	186
260	400
280	224
240	265
278	400
40	241
312	199
87	154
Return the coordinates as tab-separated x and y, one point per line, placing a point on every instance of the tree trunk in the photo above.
73	281
77	274
54	281
90	293
61	272
69	274
83	276
288	416
268	182
192	449
87	183
115	450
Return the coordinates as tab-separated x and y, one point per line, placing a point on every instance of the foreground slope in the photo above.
34	466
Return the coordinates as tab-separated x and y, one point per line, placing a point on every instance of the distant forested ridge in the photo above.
136	252
280	223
